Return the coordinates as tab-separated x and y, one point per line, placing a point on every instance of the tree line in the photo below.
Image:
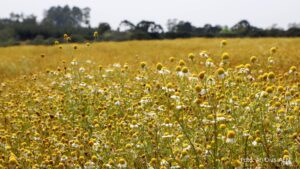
58	20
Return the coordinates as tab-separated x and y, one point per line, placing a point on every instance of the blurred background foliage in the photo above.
20	29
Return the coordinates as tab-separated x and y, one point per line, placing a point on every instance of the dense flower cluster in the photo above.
199	112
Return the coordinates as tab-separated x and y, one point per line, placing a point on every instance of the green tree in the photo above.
66	17
125	26
103	27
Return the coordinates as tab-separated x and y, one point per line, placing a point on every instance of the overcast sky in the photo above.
262	13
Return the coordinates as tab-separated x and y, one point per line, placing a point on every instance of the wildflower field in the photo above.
193	103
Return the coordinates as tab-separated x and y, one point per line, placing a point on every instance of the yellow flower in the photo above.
225	56
201	75
220	71
222	126
143	65
198	88
13	159
159	66
236	163
293	69
223	43
61	165
94	158
269	89
153	161
81	158
181	62
191	56
185	70
271	75
230	134
273	50
184	152
178	69
171	59
253	59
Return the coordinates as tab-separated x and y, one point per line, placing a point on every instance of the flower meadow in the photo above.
203	110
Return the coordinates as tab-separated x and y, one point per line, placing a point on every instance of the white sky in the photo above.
262	13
